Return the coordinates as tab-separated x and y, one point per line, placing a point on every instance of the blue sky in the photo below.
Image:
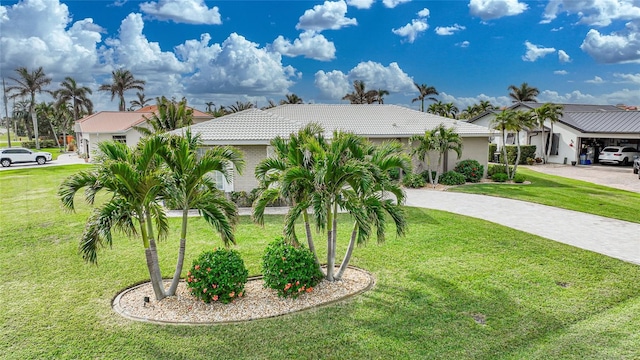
577	51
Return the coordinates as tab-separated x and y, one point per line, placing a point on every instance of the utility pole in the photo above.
6	113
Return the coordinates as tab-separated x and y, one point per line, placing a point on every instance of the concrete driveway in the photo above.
615	176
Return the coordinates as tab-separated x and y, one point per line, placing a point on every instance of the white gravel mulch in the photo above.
257	302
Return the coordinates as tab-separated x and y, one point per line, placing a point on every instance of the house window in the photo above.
511	139
217	177
120	138
555	142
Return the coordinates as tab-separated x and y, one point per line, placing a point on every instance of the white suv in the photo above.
15	155
618	155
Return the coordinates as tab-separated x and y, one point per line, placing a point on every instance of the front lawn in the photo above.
453	288
564	193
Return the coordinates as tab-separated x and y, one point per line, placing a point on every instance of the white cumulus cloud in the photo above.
330	15
560	72
619	47
412	29
237	66
424	13
464	44
534	52
310	45
360	4
495	9
335	84
449	30
593	12
632	78
393	3
182	11
595	80
563	56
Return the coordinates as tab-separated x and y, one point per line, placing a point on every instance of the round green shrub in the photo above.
452	178
218	275
500	177
471	169
519	178
289	270
413	181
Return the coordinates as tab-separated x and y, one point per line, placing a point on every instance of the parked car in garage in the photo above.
624	155
15	155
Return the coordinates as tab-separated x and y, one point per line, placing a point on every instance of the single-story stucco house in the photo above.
252	130
117	126
583	129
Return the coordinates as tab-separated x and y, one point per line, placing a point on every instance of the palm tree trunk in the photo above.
544	145
312	247
504	153
152	262
180	263
154	270
347	256
550	145
330	250
515	166
54	133
34	119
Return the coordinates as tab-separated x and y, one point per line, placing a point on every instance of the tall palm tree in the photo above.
28	84
122	80
360	95
21	114
192	188
135	182
49	112
551	113
170	115
504	122
425	91
450	110
291	99
523	93
70	92
210	105
140	102
380	93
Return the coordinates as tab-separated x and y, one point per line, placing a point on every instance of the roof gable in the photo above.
111	121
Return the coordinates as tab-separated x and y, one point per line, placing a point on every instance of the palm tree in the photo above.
421	151
210	105
122	80
424	91
360	95
552	113
49	112
192	188
523	93
380	93
437	108
270	104
291	157
504	122
135	182
440	140
28	84
75	95
450	110
523	120
291	99
21	114
239	106
170	115
484	106
140	102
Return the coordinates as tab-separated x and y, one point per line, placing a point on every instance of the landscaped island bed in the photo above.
453	288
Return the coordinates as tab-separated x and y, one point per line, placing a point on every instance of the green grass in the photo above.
565	193
429	287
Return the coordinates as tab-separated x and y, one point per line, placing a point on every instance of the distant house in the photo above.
117	126
582	130
252	130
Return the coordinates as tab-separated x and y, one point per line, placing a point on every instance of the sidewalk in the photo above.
615	238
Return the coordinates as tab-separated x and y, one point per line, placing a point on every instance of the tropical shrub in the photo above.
44	143
452	178
493	148
218	275
289	270
497	168
471	169
519	178
413	181
500	177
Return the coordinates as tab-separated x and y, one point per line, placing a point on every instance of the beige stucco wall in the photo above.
253	154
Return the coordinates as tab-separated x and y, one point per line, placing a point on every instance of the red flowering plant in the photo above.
218	275
471	169
289	270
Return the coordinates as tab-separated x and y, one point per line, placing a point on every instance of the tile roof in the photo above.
371	121
196	112
111	121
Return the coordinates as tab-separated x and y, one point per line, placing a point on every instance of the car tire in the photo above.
625	162
41	160
5	162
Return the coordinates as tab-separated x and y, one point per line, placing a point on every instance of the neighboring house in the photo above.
117	126
252	130
583	129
